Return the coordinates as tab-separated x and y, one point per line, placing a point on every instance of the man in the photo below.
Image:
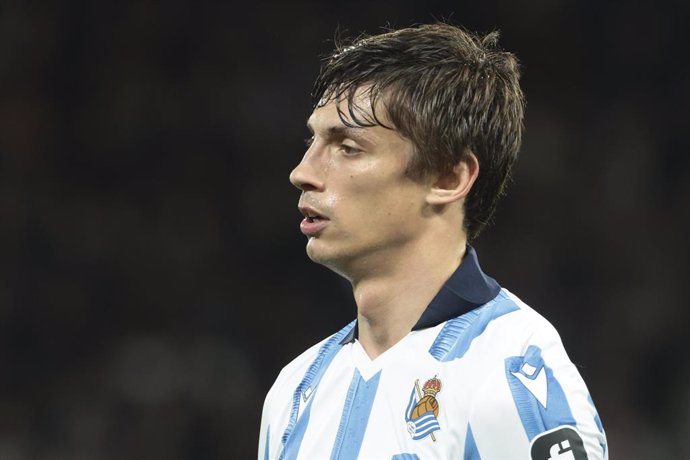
415	132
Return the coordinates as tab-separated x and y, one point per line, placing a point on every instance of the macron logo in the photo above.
534	380
307	394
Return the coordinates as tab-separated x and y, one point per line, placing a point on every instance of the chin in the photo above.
316	252
327	257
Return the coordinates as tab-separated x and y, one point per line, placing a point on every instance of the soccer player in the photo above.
415	132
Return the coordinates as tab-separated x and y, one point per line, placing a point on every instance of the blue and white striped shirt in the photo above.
480	376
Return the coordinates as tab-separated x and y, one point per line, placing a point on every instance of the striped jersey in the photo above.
480	376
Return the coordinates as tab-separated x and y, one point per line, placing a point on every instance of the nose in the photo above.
307	175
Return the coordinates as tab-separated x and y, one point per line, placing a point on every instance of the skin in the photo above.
396	240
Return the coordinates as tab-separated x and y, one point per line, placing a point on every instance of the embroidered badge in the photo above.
422	410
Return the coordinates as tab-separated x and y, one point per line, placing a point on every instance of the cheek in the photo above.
392	205
380	195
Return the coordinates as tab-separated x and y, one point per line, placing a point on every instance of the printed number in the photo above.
561	451
561	443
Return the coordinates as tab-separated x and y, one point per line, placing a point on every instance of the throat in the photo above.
380	332
388	307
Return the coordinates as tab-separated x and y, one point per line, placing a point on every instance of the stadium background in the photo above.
153	279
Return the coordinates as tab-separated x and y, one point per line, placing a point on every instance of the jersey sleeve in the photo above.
537	404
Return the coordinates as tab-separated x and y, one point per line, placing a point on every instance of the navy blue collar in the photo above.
466	289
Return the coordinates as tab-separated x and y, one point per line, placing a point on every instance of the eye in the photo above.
349	150
308	141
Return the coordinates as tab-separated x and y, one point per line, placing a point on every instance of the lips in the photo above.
314	221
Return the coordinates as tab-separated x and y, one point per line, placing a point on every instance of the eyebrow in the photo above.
352	132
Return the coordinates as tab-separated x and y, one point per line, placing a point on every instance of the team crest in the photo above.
422	410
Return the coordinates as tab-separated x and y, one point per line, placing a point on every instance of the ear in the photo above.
455	184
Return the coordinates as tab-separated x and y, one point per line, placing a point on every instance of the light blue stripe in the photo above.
268	437
294	442
471	451
428	427
294	432
426	420
353	422
425	426
426	431
457	334
536	418
405	457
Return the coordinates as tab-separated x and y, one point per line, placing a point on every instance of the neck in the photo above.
390	300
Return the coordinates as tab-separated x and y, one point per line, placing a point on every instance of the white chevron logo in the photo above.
537	385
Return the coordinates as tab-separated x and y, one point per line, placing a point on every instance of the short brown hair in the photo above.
448	91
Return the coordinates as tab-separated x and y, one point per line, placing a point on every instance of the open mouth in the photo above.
313	223
314	218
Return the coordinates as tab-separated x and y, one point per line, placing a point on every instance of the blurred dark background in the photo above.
153	277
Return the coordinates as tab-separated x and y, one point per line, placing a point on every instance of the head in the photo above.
451	93
414	131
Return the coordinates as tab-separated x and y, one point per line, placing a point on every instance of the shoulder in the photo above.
525	382
518	325
526	323
502	327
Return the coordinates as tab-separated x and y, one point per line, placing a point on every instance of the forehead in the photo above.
327	123
356	117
